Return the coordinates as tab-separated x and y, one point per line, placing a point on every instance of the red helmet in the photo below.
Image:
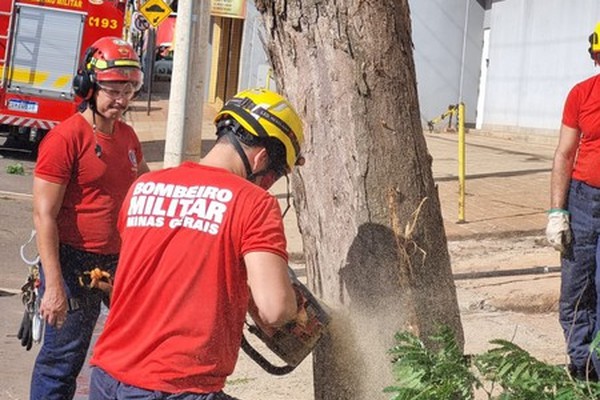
114	59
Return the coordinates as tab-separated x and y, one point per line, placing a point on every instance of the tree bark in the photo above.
367	206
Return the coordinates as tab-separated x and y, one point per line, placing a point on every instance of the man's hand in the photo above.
558	232
301	314
54	306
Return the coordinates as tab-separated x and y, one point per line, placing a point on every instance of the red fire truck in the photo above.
41	45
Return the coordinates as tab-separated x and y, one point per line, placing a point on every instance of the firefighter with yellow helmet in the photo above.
202	245
574	219
262	116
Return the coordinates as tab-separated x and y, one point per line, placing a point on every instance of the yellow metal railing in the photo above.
449	113
461	163
457	110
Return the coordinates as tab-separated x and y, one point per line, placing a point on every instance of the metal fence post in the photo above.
461	162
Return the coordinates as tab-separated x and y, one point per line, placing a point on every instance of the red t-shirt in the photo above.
96	186
181	294
582	112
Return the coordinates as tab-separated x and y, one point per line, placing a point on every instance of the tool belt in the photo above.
86	269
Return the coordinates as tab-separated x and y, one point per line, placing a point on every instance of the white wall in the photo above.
254	68
438	32
538	51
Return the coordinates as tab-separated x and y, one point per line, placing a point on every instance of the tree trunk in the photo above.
368	209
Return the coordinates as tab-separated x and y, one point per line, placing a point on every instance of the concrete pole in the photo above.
186	99
197	82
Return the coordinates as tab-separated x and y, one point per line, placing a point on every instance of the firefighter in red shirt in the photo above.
574	219
84	168
202	243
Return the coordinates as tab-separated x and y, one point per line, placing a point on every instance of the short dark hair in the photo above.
275	149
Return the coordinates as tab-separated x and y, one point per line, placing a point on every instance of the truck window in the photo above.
45	51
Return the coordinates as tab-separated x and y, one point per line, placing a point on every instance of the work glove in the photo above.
558	232
25	331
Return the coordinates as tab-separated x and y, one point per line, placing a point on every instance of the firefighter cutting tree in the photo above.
41	43
205	242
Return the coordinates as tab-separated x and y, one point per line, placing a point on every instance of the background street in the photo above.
507	194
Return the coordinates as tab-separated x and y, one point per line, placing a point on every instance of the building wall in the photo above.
255	66
438	32
438	36
538	51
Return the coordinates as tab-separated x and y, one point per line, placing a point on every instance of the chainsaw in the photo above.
292	342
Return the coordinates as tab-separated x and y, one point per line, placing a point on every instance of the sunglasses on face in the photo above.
115	92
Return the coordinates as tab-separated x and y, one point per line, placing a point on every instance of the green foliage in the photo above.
424	374
15	169
520	376
506	372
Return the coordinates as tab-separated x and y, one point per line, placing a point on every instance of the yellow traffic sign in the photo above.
155	11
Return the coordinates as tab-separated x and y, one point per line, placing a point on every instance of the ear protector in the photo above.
84	82
593	39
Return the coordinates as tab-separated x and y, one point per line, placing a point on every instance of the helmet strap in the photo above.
92	105
97	147
238	147
288	196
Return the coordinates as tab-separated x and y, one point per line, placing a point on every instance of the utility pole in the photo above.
186	99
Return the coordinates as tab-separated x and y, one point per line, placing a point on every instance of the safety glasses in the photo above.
269	176
117	91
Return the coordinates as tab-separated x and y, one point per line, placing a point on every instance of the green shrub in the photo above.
15	169
506	372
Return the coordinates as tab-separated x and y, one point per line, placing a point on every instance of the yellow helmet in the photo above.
594	40
264	113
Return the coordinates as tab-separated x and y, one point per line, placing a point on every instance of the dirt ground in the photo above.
512	294
506	288
519	304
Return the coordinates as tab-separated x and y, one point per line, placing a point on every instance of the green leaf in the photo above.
439	371
15	169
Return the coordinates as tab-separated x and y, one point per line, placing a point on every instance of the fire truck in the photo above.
41	46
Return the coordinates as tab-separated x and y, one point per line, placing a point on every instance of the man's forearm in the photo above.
47	243
561	177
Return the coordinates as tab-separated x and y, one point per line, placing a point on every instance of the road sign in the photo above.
140	22
155	11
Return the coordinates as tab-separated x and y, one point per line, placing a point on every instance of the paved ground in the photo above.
507	193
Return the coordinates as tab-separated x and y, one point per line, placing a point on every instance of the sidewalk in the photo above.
507	182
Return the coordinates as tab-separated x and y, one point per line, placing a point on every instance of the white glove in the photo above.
558	232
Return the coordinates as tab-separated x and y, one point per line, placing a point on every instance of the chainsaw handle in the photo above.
263	362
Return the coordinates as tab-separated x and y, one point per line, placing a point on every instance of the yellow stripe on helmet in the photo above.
103	64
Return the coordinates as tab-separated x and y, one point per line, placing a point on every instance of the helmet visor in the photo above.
271	175
121	74
268	178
